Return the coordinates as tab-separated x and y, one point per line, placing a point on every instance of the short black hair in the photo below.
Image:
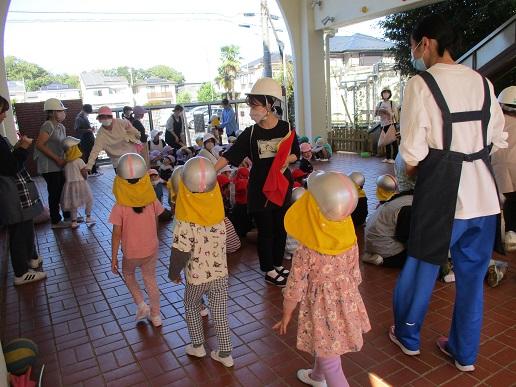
225	101
178	108
4	105
127	109
278	110
436	27
87	108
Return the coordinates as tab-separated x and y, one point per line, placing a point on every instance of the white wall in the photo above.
8	128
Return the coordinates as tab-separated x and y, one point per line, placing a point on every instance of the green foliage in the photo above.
166	72
183	97
207	93
155	103
228	69
473	19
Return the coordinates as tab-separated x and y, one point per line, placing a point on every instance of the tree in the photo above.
125	71
228	69
207	93
166	72
184	97
475	18
289	89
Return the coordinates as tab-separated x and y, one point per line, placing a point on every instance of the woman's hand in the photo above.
25	142
60	162
114	265
281	326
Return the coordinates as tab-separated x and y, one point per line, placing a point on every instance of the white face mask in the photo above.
106	123
60	116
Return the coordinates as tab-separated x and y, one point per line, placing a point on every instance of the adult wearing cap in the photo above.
449	121
388	110
504	165
272	146
228	120
175	128
49	156
84	132
116	137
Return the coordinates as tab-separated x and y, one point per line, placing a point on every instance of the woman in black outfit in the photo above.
174	133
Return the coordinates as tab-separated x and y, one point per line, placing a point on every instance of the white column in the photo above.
7	129
308	56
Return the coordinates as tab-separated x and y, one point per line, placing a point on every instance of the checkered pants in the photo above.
217	292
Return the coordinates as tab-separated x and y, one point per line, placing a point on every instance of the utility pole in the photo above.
267	66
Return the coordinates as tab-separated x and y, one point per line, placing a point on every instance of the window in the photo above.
98	93
370	58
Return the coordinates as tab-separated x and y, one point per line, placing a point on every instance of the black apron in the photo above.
437	184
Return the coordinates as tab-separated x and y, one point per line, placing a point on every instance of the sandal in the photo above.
276	281
284	271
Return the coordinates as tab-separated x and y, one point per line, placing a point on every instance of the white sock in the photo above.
281	268
273	274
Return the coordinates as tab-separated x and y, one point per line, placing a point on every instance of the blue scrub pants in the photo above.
471	249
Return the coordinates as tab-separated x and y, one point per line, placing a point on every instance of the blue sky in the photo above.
186	35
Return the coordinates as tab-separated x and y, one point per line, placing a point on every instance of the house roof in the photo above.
55	86
154	81
275	58
93	78
16	86
358	42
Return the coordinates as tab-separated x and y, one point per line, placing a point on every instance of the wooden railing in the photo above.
348	139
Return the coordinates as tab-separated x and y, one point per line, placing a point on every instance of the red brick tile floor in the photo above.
82	318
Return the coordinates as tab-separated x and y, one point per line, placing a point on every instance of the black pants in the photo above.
241	219
21	246
86	145
509	211
271	238
55	182
397	260
360	214
391	150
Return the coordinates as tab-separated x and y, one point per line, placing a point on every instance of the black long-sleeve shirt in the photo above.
11	161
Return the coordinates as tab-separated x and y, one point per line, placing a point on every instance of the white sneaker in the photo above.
510	241
197	352
304	376
34	263
30	276
375	259
155	320
391	161
142	312
226	361
385	161
404	349
204	312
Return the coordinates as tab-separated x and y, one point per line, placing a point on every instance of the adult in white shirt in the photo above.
388	112
116	137
449	121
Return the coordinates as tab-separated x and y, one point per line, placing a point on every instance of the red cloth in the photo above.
241	182
276	185
223	180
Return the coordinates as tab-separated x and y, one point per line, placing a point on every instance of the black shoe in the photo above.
275	281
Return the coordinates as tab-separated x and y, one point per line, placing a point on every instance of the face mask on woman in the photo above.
60	116
417	63
106	123
258	114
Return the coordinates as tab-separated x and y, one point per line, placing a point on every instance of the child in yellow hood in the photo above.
76	190
324	278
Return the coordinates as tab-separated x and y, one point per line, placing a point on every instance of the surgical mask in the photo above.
60	116
258	115
106	123
417	63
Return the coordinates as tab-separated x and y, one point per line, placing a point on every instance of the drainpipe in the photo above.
327	35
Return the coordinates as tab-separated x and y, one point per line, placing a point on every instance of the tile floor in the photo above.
82	318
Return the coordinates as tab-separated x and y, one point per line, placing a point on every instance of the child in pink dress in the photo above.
324	279
134	219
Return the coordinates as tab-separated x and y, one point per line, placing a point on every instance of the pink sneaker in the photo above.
442	343
404	349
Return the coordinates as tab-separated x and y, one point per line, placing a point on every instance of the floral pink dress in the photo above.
332	315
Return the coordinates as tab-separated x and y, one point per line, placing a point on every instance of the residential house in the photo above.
98	89
250	72
360	67
60	91
154	91
17	90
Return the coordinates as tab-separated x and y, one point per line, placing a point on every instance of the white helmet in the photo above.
387	182
297	193
508	96
358	178
267	86
176	176
208	136
70	141
335	195
53	104
198	175
131	166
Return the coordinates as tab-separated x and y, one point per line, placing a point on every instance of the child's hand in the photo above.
114	266
282	325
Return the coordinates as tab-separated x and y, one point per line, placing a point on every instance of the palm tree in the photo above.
228	69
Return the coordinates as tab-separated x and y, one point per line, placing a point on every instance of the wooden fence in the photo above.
349	139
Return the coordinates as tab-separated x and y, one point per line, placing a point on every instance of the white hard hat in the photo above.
176	175
53	104
267	86
154	133
297	193
131	166
335	194
199	175
208	136
358	178
70	141
312	175
387	182
508	96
